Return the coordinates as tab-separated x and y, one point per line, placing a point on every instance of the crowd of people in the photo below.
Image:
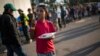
38	21
66	14
60	16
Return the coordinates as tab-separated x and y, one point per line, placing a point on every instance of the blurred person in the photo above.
76	11
30	16
59	17
71	13
23	20
31	21
80	11
9	32
54	17
88	9
44	47
85	12
63	14
94	8
67	15
34	11
98	6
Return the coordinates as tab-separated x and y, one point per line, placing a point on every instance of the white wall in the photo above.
22	4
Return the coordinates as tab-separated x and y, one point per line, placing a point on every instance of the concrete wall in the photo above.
22	4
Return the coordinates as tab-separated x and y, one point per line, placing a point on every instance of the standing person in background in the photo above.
54	18
34	11
23	19
9	32
31	21
67	15
72	13
30	16
63	14
44	47
88	9
59	17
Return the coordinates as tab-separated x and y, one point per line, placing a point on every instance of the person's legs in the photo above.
51	54
10	51
18	50
59	22
26	34
41	54
47	54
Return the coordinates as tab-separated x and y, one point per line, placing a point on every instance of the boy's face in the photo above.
41	12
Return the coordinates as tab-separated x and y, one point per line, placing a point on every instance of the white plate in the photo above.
47	35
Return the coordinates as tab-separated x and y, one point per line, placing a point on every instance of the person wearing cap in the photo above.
9	33
44	47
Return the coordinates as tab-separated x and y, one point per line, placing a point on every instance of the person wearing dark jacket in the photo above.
9	32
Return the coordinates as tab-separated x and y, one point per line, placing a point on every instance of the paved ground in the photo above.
78	45
80	38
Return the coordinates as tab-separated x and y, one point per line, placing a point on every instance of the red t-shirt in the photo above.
44	45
